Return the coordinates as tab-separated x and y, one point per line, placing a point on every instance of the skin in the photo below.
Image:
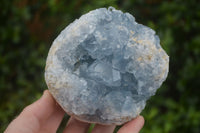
45	116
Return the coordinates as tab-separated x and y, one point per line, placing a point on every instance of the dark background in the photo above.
27	29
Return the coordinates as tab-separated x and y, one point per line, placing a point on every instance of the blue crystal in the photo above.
103	67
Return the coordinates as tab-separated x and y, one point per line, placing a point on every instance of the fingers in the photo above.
42	108
103	128
37	116
52	123
133	126
76	126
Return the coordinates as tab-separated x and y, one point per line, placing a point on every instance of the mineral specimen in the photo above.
103	67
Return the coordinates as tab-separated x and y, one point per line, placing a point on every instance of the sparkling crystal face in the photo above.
104	66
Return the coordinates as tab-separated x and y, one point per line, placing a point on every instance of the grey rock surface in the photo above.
103	67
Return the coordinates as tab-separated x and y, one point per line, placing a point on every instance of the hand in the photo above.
45	116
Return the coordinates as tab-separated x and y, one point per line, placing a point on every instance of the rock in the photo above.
103	67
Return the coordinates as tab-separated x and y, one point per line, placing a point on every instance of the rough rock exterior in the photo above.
103	67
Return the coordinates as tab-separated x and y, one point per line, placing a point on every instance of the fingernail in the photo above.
142	121
44	93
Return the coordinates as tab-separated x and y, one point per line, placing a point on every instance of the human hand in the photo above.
45	116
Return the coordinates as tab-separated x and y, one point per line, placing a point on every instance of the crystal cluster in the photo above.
103	67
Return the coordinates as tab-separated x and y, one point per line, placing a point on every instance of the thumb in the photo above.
34	115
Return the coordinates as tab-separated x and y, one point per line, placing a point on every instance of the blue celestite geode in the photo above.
103	67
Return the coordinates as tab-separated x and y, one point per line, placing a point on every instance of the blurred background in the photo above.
28	27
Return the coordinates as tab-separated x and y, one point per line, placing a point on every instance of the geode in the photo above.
103	67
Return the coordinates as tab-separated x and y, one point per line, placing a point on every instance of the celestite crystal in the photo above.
103	67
